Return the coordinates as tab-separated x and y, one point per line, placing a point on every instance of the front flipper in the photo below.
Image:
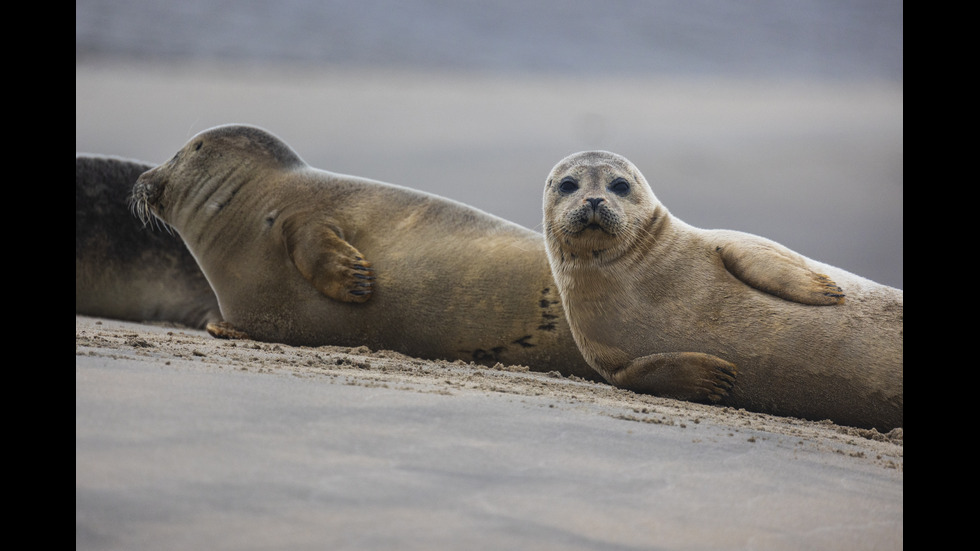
225	330
690	376
772	268
330	263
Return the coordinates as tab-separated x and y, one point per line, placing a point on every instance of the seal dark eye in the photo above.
619	186
568	185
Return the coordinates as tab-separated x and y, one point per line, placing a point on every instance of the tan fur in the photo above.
771	330
308	257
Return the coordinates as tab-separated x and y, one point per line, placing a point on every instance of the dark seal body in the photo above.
124	270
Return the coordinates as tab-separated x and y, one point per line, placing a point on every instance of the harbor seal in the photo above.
303	256
124	270
656	305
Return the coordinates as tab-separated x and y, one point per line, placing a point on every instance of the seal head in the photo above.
592	206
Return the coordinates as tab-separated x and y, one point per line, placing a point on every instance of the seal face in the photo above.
595	200
308	257
124	270
658	306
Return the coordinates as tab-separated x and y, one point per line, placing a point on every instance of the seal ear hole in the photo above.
568	185
197	146
619	186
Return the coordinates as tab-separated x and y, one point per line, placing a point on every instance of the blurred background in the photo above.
782	118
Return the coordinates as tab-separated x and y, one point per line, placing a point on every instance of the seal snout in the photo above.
145	196
593	219
595	214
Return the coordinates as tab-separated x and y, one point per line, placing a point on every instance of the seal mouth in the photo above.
591	229
589	221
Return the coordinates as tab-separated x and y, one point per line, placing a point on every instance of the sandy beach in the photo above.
184	441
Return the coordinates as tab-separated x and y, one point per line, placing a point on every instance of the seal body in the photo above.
124	270
659	306
303	256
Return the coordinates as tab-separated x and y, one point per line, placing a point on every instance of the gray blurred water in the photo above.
782	118
835	39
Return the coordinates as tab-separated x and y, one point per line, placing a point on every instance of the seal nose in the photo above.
145	186
594	201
